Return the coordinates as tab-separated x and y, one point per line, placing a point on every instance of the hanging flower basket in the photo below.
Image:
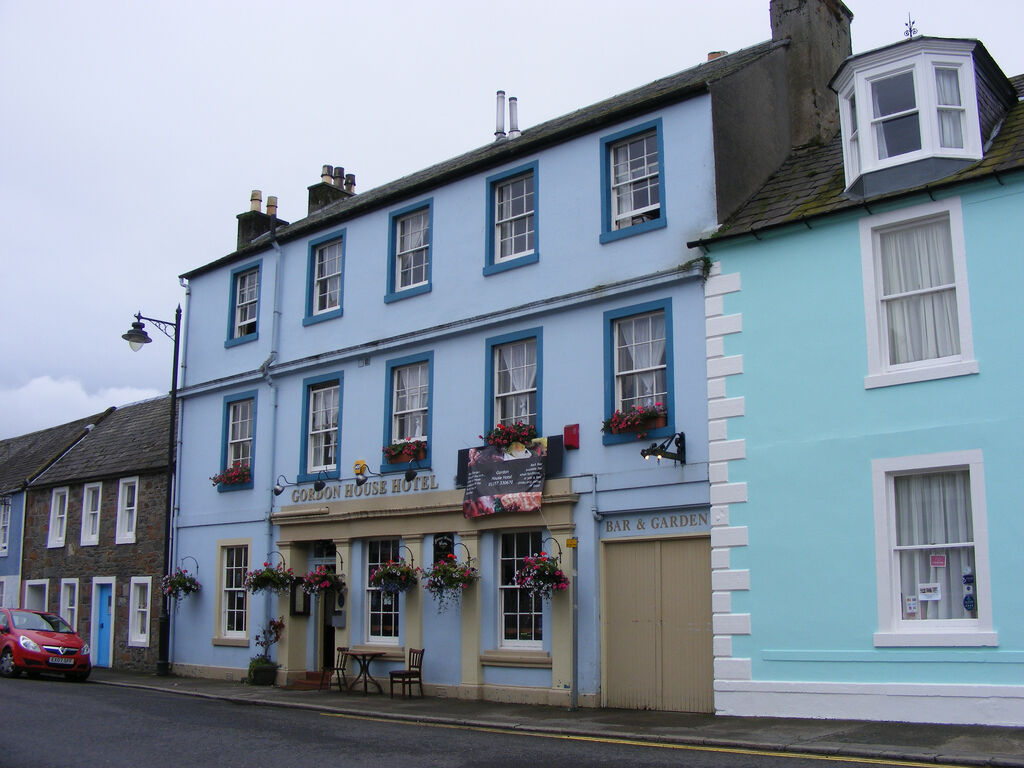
394	576
506	435
320	579
179	584
405	450
236	475
269	579
639	419
447	579
542	575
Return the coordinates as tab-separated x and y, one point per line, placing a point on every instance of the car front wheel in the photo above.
77	677
7	668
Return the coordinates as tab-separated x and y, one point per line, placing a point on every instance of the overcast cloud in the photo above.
134	131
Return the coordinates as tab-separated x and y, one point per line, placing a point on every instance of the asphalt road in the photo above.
50	723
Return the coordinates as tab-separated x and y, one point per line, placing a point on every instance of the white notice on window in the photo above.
929	591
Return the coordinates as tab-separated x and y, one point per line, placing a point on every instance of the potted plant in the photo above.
506	435
179	584
322	580
405	450
394	576
262	670
270	579
446	579
542	575
235	475
637	418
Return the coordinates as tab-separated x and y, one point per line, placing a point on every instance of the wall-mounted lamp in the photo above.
660	450
318	485
363	473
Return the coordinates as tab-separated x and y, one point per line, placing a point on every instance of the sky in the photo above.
133	132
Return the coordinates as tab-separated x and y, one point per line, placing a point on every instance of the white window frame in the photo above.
880	372
422	395
893	630
860	148
505	226
376	599
412	253
239	447
537	603
317	438
5	525
327	283
3	591
511	394
622	374
91	492
247	297
69	602
127	514
140	607
625	218
58	528
34	584
230	589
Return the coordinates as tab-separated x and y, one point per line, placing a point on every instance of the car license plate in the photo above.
61	661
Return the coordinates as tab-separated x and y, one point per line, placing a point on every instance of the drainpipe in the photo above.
275	330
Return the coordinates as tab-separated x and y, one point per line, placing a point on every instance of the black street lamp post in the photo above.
136	338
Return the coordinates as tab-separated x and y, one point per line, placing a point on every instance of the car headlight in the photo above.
85	649
28	643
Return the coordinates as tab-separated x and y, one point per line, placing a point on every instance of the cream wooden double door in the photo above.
656	626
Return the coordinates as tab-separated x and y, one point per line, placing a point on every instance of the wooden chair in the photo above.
413	674
338	670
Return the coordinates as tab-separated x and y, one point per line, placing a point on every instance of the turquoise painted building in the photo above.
542	278
864	411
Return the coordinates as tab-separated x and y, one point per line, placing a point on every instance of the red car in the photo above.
37	641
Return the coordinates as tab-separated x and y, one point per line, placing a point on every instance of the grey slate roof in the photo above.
811	181
131	439
23	457
667	90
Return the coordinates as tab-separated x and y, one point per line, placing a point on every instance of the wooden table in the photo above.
363	659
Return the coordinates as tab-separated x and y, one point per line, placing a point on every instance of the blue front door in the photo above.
101	653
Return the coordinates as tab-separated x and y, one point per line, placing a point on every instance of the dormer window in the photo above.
910	114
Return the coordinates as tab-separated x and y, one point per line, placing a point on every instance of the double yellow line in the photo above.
649	744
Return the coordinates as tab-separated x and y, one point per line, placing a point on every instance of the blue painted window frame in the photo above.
232	340
304	475
508	338
250	394
607	233
610	317
310	317
393	293
490	265
389	394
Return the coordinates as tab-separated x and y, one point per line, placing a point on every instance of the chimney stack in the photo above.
513	117
254	222
334	185
716	55
819	41
499	115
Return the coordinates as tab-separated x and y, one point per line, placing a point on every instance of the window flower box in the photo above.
639	419
405	450
506	435
236	475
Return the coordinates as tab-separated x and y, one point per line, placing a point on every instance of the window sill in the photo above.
314	319
612	235
929	373
230	488
125	540
406	293
516	657
54	545
233	642
138	643
494	268
241	340
961	638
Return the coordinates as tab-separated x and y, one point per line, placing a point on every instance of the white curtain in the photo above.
947	85
641	348
919	293
935	509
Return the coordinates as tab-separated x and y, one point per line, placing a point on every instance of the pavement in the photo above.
886	742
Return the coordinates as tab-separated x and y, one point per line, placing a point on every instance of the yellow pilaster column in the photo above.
561	615
472	671
414	597
291	650
343	566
